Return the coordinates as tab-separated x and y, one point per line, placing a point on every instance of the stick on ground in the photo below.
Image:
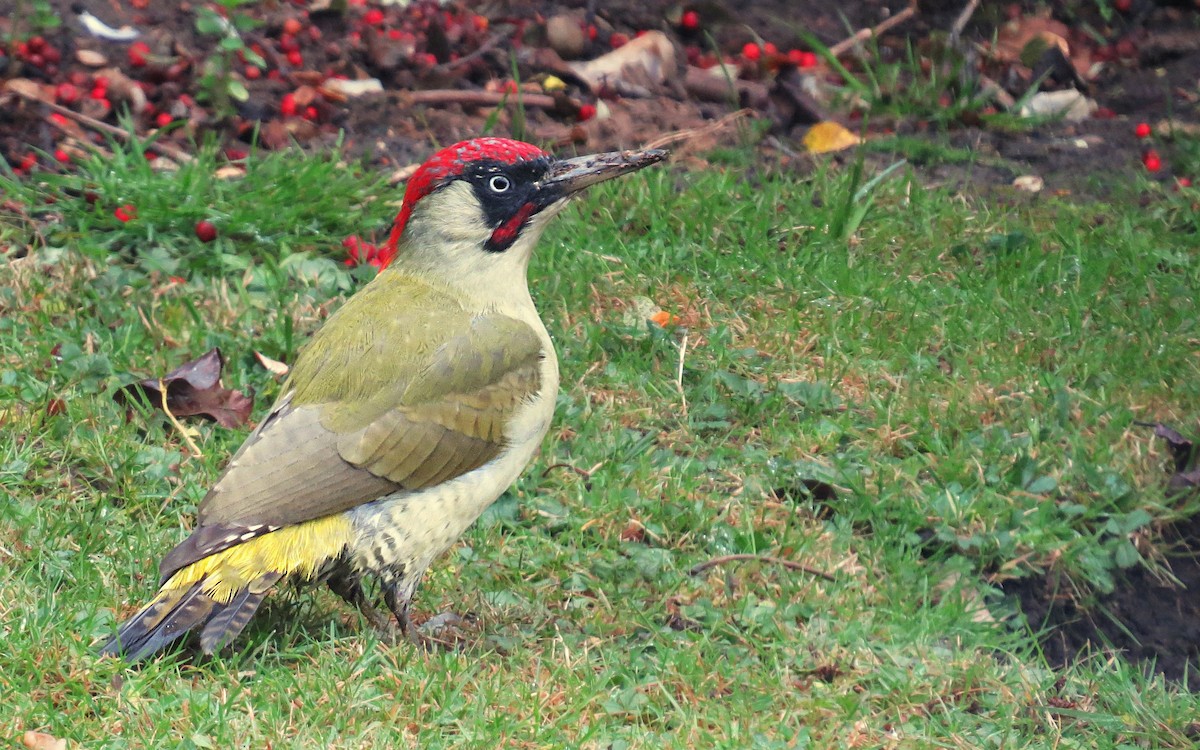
698	569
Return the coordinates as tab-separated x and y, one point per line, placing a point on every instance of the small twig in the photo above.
698	569
162	393
91	122
683	135
787	150
679	372
585	473
483	49
964	17
994	90
864	34
438	97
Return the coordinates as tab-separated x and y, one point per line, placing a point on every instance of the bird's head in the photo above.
474	210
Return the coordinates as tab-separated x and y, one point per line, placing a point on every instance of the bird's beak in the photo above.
568	176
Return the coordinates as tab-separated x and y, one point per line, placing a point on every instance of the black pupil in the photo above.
499	184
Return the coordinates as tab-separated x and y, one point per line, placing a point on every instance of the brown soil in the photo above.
1151	621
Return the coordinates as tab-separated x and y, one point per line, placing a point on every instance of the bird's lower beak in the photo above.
568	176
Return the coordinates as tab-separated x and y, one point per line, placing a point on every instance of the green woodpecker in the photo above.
408	413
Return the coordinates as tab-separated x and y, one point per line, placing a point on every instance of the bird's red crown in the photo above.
448	163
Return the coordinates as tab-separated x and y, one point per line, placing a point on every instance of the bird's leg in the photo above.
439	630
397	596
350	588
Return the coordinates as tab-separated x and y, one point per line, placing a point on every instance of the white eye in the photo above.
499	184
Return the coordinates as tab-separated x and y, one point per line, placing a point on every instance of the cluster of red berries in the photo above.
38	53
1151	159
359	252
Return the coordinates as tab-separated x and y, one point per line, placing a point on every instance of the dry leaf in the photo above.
26	87
91	58
1029	183
345	88
273	366
645	60
662	319
42	741
193	389
827	137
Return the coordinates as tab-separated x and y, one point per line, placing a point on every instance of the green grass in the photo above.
959	372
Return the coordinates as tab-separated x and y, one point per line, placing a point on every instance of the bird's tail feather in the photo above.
175	612
227	623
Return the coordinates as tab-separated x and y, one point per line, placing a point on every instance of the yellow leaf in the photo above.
827	137
553	83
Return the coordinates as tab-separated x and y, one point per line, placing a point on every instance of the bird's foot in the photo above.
442	631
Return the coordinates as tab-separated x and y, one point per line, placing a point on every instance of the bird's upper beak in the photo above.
568	176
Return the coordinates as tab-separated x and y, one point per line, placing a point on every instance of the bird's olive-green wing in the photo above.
384	398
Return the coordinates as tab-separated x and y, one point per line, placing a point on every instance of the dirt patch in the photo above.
1150	621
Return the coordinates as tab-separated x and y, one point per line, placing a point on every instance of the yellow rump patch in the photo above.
297	551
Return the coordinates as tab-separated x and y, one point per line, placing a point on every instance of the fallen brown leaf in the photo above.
193	389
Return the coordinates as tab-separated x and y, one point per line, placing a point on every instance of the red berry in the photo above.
252	72
294	58
62	156
373	17
100	82
66	93
164	119
690	20
1123	5
287	105
36	43
206	231
586	112
592	32
292	26
1183	182
770	49
618	40
751	51
808	60
137	54
1142	130
310	113
29	162
126	213
1152	161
